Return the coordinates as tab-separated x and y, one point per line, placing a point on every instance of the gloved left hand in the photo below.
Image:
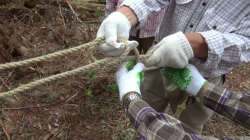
128	78
114	26
172	51
188	78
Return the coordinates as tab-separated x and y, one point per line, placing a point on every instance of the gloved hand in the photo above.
115	25
108	12
128	78
172	51
187	78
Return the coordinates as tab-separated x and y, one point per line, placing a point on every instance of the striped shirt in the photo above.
148	30
153	125
225	25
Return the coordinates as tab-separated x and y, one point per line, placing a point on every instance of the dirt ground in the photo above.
83	106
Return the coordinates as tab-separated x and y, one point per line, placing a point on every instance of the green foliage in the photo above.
83	15
90	76
111	88
89	93
98	13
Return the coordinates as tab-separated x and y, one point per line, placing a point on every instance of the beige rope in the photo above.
91	45
179	109
106	61
49	56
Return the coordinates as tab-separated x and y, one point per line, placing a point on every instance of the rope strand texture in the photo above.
53	55
106	61
91	45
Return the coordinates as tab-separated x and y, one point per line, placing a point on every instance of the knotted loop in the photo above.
125	53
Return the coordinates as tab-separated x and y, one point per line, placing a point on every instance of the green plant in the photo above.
111	88
90	76
98	13
83	15
89	93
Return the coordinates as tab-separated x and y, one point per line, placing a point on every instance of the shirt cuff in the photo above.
134	109
141	10
213	40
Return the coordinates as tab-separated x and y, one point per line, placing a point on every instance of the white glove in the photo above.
115	25
129	80
172	51
187	78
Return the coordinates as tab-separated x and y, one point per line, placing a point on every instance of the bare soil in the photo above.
84	106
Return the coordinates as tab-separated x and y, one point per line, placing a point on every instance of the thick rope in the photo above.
106	61
91	45
52	55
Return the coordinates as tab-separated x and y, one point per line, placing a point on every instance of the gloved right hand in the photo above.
172	51
128	78
115	25
187	78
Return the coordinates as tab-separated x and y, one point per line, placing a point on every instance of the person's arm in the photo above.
138	11
227	50
149	123
153	125
118	24
234	106
198	44
130	15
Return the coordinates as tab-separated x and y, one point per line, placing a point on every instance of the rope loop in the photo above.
125	53
105	61
91	45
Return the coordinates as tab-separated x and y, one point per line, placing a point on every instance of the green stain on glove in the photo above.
140	77
130	65
178	76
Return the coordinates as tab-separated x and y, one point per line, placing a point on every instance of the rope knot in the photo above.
125	53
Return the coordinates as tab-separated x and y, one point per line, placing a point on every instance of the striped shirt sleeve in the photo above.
225	26
234	106
153	125
111	4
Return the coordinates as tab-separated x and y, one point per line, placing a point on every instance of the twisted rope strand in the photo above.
53	55
106	61
91	45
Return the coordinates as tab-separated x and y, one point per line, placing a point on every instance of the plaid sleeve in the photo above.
153	125
228	43
150	27
111	4
223	47
234	106
145	8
